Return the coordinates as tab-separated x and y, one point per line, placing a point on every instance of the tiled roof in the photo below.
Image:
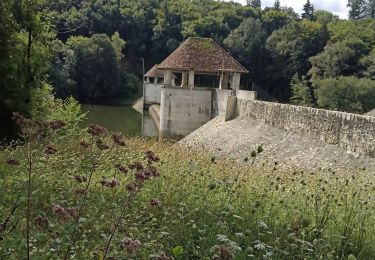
154	73
201	55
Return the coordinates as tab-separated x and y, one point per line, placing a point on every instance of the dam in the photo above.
229	121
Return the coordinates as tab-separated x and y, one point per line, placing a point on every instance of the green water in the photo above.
119	119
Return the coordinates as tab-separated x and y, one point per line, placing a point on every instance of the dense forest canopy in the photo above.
91	50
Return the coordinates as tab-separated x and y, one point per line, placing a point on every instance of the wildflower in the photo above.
136	165
155	202
81	191
50	150
84	144
164	256
96	130
110	183
154	172
101	145
131	187
13	162
117	139
59	210
80	178
151	156
41	221
18	118
121	168
72	212
56	125
131	245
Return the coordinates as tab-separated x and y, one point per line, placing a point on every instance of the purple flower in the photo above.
59	210
80	178
131	245
101	145
96	130
117	139
131	187
121	168
136	165
56	125
155	202
110	183
50	150
41	221
84	144
151	156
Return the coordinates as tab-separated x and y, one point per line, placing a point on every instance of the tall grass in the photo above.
199	207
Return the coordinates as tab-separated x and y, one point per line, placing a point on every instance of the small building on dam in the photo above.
192	86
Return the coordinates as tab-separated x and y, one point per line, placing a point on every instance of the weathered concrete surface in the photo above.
138	105
183	110
247	95
352	132
154	113
239	137
371	113
219	101
152	93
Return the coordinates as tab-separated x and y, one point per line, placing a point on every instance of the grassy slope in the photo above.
209	208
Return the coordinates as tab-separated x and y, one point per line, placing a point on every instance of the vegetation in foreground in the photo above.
69	194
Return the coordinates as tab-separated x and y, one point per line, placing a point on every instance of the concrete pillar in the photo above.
184	79
235	81
147	80
224	80
191	78
155	80
168	77
173	82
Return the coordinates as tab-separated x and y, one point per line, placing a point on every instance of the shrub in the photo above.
348	94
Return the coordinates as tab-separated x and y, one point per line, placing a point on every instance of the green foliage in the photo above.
195	209
337	59
247	43
308	11
346	94
302	92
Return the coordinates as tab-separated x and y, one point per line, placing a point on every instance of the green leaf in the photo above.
177	251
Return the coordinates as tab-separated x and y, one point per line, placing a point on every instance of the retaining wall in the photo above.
355	133
184	110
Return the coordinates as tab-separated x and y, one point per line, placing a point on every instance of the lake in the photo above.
123	119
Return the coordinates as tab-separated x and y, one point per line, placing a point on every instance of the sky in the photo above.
337	7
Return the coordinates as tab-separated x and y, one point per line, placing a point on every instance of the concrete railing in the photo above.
355	133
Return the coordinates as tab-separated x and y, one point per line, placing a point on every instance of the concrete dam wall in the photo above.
183	110
352	132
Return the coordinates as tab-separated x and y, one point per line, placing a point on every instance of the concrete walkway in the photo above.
239	137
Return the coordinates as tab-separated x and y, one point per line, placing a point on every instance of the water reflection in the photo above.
123	119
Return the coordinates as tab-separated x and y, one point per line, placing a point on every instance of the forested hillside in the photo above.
91	50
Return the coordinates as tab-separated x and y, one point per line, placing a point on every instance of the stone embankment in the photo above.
237	138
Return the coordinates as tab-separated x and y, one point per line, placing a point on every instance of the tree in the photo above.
348	94
254	3
336	60
247	43
302	91
290	48
276	5
357	9
308	11
370	9
24	57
